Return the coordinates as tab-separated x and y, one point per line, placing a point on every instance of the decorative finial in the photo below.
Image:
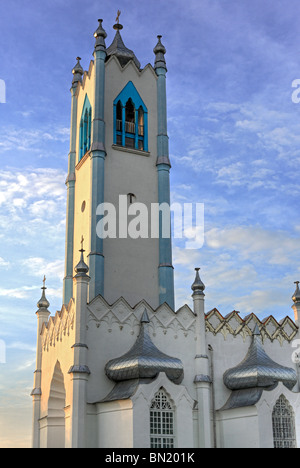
100	35
118	17
43	302
198	287
160	51
77	72
118	26
296	296
82	268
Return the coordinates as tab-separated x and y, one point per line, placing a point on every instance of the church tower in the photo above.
119	167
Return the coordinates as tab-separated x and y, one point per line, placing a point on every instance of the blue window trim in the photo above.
130	92
85	129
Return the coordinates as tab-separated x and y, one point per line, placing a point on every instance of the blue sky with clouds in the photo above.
234	146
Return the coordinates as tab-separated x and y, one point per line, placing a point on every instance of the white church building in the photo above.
118	366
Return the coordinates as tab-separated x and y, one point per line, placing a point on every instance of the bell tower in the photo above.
119	166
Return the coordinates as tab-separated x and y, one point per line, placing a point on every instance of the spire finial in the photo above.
160	51
198	287
100	35
118	17
43	302
296	296
82	268
77	72
118	26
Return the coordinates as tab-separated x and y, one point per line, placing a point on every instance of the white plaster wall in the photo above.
115	424
238	428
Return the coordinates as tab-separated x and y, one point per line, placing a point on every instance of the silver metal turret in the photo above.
77	72
160	51
198	287
100	36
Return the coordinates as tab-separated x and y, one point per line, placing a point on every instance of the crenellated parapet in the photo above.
235	325
121	314
58	327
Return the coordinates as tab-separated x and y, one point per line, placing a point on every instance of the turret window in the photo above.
130	119
162	421
85	129
283	420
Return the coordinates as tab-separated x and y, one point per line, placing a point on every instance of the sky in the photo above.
234	146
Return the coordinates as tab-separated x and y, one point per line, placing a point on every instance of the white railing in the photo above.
129	127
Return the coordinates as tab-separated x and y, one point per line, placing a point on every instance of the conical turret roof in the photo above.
119	50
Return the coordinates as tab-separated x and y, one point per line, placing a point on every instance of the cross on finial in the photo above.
118	17
82	241
44	281
297	283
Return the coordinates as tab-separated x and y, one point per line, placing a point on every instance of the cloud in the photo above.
17	293
275	247
21	139
38	267
4	263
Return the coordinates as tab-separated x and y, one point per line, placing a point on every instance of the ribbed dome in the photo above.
144	360
120	51
258	370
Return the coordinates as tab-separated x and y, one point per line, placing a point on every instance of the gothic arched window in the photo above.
283	420
130	119
85	129
162	427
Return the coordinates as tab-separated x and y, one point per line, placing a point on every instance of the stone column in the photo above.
202	379
79	371
70	183
166	270
42	317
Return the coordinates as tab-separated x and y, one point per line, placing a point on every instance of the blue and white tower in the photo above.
120	157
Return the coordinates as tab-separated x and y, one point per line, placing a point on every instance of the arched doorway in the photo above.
56	412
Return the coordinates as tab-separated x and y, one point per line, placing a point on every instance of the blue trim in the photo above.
85	128
96	259
165	269
130	92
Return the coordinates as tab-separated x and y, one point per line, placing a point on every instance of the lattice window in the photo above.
283	419
162	421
